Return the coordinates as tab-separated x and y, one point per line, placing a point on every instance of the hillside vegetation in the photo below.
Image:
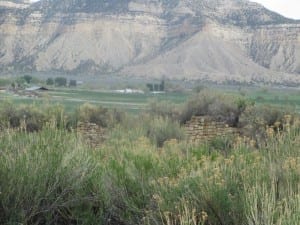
146	172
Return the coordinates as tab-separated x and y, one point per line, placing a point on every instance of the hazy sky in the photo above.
288	8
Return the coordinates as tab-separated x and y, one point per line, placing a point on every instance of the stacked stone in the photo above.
203	128
287	123
92	134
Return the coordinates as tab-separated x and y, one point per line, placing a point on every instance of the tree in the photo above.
199	88
60	81
150	86
156	87
27	78
72	83
4	81
20	82
50	81
162	86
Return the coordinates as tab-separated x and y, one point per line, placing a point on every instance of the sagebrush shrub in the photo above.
99	115
255	119
164	109
162	129
220	107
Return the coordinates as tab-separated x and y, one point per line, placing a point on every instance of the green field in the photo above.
73	98
279	97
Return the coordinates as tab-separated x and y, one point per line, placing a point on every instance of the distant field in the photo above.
278	97
73	98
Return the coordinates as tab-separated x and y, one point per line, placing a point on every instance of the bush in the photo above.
221	144
220	107
31	117
255	119
60	81
4	82
199	88
50	81
72	83
27	78
163	109
162	129
99	115
9	115
45	179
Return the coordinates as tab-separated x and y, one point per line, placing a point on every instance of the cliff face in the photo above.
215	40
277	47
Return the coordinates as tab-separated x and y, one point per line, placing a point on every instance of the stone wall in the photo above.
204	128
92	134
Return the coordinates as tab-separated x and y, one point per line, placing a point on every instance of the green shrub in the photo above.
255	119
162	129
27	78
50	81
9	115
45	178
221	144
163	109
32	117
197	106
95	114
199	88
60	81
5	81
220	107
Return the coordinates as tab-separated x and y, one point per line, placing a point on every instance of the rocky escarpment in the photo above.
218	40
277	47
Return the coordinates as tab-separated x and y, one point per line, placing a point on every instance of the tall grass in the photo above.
45	177
52	177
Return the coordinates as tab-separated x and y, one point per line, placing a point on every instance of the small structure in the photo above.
3	89
92	134
130	91
79	82
205	128
156	88
32	92
37	88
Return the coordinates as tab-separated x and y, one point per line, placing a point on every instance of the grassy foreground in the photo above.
52	177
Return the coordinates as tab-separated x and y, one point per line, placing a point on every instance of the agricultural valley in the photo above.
148	112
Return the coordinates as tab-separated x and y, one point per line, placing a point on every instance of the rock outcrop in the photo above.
91	134
216	40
